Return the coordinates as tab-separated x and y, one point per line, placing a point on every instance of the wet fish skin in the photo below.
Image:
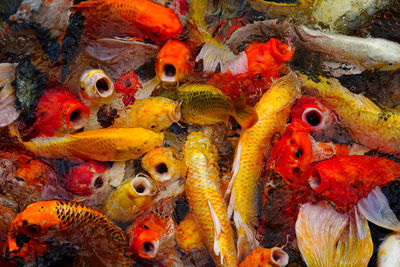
374	127
267	257
108	144
254	145
205	198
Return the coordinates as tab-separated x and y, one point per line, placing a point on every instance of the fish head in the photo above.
87	179
313	111
148	235
127	85
173	62
140	189
187	235
95	85
198	142
268	257
292	154
21	249
35	173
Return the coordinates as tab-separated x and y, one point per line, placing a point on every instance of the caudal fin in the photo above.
244	114
87	5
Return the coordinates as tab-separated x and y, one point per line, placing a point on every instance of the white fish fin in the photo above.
246	241
318	230
389	251
235	171
217	231
116	173
375	208
213	53
240	65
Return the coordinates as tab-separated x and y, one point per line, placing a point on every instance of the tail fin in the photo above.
245	115
87	4
13	131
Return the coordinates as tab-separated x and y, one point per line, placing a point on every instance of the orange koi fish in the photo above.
151	19
173	62
253	72
344	180
60	220
58	112
266	257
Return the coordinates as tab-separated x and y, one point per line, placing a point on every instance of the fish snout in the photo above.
95	84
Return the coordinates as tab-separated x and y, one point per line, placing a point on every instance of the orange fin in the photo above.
244	114
87	4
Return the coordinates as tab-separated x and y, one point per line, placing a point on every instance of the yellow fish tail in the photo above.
13	131
245	115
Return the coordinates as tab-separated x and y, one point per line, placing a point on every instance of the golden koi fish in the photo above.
206	199
374	127
254	145
108	144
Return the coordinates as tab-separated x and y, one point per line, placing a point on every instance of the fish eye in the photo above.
145	226
153	126
155	34
34	228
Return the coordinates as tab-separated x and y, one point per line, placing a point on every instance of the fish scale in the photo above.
203	192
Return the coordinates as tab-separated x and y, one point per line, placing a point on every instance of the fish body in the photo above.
153	20
153	113
86	179
62	219
131	197
205	104
374	127
108	144
344	180
173	62
127	85
151	236
253	72
388	254
58	112
254	145
267	257
205	198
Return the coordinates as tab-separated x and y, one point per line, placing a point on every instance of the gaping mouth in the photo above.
175	114
142	186
314	118
315	180
78	118
150	249
168	73
279	257
104	87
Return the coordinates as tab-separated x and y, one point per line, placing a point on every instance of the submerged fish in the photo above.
62	220
374	127
188	236
344	180
267	257
205	197
254	145
173	62
59	112
153	113
153	20
109	144
206	104
131	197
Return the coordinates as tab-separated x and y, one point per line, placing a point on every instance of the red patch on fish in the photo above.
58	108
127	85
344	180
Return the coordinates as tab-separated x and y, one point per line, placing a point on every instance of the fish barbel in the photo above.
374	127
108	144
206	200
254	145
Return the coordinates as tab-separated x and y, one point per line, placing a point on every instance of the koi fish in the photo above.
344	180
188	236
127	85
253	72
205	104
373	126
153	113
109	144
268	257
254	145
173	62
58	111
205	198
62	220
159	25
164	164
151	237
388	254
7	95
131	197
95	85
86	179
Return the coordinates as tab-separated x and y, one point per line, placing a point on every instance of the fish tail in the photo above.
87	5
244	114
13	131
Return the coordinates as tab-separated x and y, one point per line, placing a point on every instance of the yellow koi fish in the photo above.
153	113
375	127
254	145
108	144
206	200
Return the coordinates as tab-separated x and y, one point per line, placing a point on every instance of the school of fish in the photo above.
199	133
